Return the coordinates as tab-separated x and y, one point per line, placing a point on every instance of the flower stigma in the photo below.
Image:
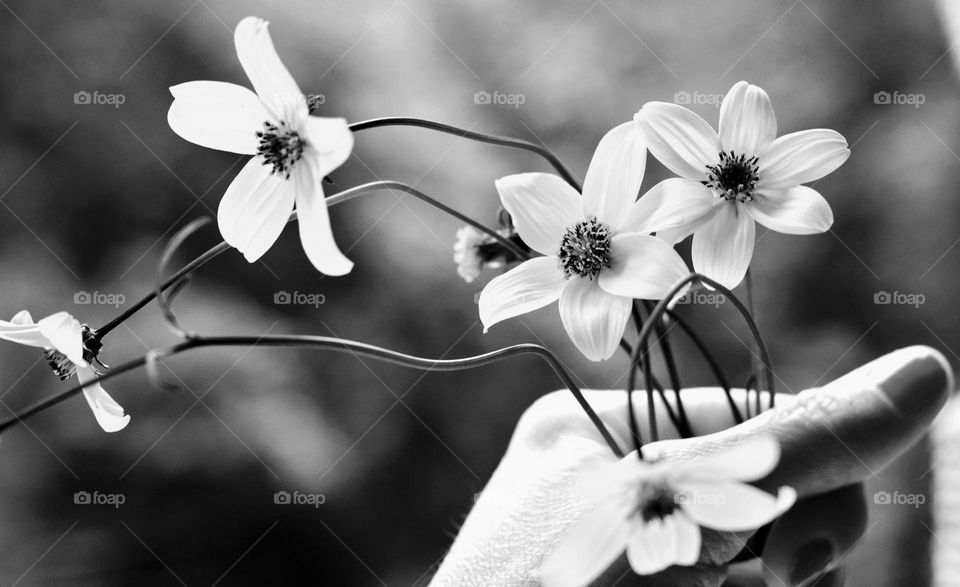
734	177
585	249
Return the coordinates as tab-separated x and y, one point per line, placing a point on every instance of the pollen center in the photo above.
656	501
280	146
734	177
585	249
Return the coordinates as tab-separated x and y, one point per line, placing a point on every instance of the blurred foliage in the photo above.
89	193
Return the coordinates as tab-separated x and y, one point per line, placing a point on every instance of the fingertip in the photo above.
918	380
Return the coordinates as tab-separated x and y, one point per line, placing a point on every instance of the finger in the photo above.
812	539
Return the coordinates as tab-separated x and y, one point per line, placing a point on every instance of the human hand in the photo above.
831	438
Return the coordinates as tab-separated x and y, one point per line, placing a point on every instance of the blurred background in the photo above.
90	190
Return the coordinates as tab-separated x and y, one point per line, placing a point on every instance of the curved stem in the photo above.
512	143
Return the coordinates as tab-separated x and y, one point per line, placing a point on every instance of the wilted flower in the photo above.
654	511
64	341
292	150
742	175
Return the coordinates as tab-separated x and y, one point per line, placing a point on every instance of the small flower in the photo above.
64	341
654	511
292	151
475	251
598	251
741	175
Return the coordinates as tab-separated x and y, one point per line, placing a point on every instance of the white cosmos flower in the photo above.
598	254
741	175
654	511
61	337
292	150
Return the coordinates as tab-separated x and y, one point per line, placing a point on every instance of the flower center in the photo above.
656	501
585	249
734	177
280	146
64	368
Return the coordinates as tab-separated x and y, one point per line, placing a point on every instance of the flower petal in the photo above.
674	203
263	220
733	506
329	142
660	543
64	333
615	174
589	547
747	122
752	459
542	206
529	286
270	78
642	266
316	235
796	210
608	477
106	410
680	139
801	157
253	195
217	115
594	319
722	248
21	330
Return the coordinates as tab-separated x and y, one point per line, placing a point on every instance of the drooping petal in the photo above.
329	142
723	247
594	319
253	189
747	122
589	548
674	203
217	115
733	506
615	174
263	219
542	206
316	234
659	543
680	139
270	78
106	410
750	460
642	266
527	287
801	157
65	334
689	539
796	210
21	330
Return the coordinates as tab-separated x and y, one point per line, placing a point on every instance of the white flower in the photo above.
741	175
597	257
292	150
654	511
468	256
61	336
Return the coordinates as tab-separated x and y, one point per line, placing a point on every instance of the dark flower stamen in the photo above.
656	501
64	368
734	177
585	249
280	146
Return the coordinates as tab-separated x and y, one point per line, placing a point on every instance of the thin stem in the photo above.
512	143
663	341
344	346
